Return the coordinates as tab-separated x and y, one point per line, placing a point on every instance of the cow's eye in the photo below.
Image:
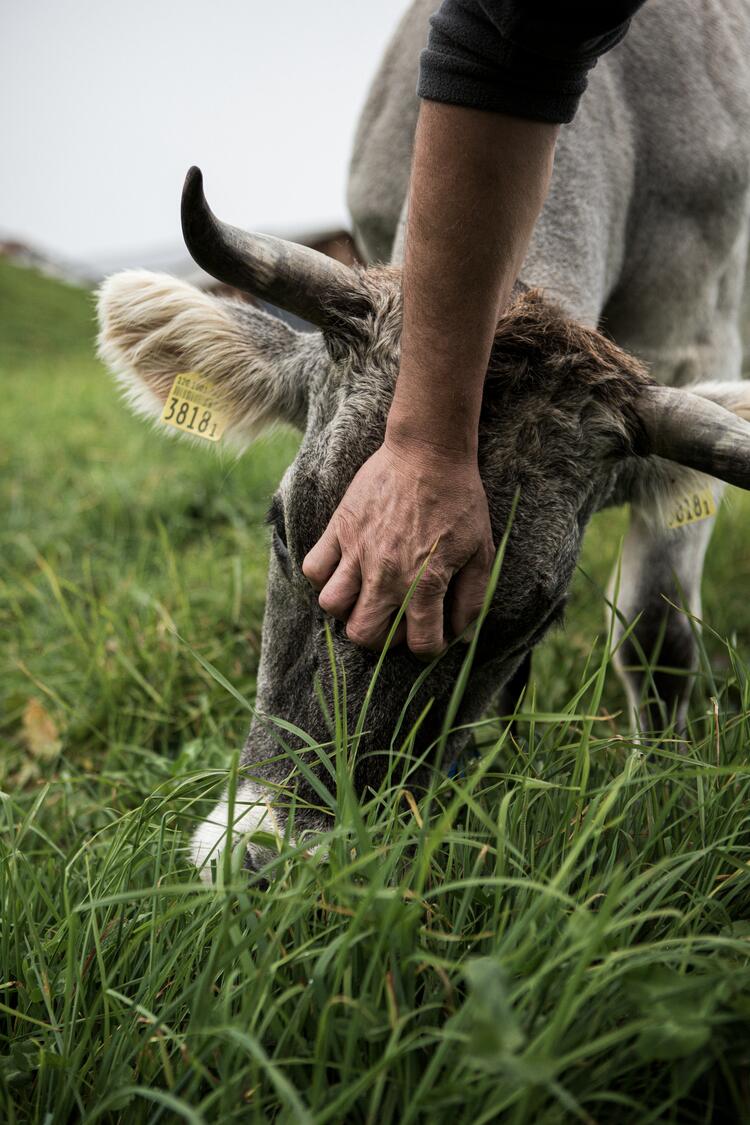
281	550
275	517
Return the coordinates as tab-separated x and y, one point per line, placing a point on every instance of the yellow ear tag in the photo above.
691	507
193	406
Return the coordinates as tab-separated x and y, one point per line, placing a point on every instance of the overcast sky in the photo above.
105	103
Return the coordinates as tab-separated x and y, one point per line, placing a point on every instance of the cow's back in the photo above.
381	156
646	221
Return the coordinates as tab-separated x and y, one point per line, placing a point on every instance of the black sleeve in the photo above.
528	58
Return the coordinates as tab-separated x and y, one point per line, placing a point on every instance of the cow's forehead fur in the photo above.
557	412
558	427
557	421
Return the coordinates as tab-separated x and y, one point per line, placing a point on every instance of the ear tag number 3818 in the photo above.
691	507
193	407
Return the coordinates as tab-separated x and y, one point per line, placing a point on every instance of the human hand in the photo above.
403	502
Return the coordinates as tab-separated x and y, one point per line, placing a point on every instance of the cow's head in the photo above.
569	424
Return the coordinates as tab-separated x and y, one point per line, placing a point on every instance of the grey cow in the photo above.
645	232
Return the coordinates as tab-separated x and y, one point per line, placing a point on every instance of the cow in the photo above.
615	376
644	233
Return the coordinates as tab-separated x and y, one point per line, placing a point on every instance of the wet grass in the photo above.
561	934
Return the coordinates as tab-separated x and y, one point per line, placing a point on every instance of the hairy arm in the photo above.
479	180
478	184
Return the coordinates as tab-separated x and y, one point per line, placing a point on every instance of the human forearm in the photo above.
478	183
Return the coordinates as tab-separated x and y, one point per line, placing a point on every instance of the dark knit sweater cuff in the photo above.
453	79
526	62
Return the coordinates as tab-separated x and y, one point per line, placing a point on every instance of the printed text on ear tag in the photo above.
691	507
194	406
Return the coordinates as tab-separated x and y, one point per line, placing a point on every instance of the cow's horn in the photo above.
696	432
296	278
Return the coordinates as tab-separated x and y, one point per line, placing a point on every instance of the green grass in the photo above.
563	934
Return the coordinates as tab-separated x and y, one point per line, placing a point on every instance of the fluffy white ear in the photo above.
153	327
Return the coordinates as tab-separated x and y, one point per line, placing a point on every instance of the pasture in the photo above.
560	934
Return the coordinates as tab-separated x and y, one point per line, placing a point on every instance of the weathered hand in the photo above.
400	505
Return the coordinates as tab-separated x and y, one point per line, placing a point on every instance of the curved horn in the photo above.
696	432
293	277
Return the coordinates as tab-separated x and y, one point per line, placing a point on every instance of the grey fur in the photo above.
645	230
559	424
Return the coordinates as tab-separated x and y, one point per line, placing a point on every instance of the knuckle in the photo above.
328	603
367	620
360	635
345	524
335	609
425	646
389	567
340	585
312	570
335	602
431	585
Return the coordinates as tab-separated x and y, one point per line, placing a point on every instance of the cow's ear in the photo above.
153	327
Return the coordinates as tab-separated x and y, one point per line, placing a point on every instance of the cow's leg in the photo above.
659	566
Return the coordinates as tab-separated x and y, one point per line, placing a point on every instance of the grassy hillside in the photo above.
112	532
40	317
560	935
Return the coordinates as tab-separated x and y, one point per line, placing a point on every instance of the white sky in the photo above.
104	104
